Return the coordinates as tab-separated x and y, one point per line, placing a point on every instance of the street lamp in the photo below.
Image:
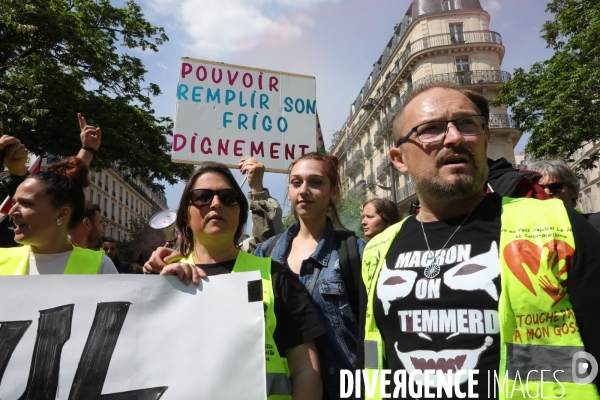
370	105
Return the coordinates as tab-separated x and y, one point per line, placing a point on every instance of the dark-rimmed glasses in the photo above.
554	187
435	131
203	197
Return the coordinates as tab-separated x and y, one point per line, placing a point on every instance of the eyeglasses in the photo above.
435	131
554	187
203	197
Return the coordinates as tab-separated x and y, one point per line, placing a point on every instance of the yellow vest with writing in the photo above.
15	260
536	253
279	385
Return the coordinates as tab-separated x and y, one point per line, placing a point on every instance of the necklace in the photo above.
433	269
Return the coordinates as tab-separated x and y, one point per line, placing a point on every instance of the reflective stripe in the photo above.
278	384
371	354
524	358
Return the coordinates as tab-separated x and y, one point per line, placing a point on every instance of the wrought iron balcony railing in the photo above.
405	191
466	78
370	179
368	149
501	121
384	166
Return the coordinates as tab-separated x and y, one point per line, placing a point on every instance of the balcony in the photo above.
105	214
383	168
466	78
370	179
106	188
355	161
120	222
120	199
356	191
100	184
450	39
377	139
112	217
405	192
368	149
501	121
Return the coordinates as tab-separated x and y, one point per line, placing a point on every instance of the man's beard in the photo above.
463	185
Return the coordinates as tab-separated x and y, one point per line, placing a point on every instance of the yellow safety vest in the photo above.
15	260
279	384
536	253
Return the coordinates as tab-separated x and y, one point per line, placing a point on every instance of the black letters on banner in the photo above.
53	332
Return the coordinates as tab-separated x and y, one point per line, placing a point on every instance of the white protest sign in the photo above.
130	338
225	112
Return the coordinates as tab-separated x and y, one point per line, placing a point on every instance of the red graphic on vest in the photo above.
548	266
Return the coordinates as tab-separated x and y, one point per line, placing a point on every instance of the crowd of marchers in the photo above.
487	246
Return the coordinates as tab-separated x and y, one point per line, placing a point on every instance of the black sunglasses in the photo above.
554	187
203	197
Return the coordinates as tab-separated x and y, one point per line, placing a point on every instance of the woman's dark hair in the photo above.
330	166
386	209
187	237
63	183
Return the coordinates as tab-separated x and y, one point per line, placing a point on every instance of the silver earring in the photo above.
58	222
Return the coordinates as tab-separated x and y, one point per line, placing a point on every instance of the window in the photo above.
448	5
99	199
91	195
462	64
105	206
456	33
113	210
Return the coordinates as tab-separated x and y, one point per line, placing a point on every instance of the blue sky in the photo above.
336	41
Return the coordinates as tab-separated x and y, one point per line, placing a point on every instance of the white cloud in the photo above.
491	6
226	26
162	66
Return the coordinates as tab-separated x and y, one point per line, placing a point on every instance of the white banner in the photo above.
225	112
131	338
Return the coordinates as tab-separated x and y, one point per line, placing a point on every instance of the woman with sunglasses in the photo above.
310	248
211	218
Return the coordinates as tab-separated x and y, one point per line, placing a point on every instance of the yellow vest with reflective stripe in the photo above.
15	261
279	385
536	253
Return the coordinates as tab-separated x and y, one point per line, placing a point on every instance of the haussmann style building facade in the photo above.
436	41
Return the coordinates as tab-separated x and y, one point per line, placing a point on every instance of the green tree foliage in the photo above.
61	57
141	238
558	100
350	212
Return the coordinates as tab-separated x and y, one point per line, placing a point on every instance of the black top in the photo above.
450	320
297	321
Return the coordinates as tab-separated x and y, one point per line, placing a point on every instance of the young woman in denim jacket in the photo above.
309	249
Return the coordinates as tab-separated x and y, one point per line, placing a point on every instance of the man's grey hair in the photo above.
558	170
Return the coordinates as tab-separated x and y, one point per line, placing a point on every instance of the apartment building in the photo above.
121	198
435	41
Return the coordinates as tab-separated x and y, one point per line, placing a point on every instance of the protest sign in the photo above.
131	337
225	112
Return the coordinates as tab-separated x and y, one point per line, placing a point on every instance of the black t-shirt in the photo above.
449	320
297	320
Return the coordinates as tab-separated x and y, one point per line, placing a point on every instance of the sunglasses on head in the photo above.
203	197
554	187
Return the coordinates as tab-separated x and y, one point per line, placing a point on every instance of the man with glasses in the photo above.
455	293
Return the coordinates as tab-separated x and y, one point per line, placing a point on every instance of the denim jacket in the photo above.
321	275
